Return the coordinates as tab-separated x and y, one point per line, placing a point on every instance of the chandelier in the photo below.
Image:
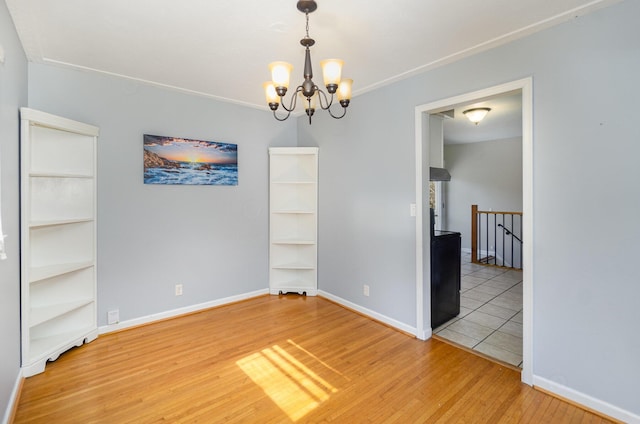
310	93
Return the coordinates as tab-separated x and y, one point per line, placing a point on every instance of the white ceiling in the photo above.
503	121
221	48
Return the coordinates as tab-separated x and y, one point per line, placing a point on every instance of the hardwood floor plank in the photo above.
279	359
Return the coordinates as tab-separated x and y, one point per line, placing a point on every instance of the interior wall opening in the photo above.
476	293
425	151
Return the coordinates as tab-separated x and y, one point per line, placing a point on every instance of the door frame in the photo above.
423	248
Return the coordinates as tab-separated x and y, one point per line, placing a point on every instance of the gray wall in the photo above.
487	174
585	281
366	184
212	239
13	95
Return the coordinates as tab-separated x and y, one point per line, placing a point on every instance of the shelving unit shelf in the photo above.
293	220
58	236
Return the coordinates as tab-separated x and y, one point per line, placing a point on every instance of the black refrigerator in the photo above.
445	276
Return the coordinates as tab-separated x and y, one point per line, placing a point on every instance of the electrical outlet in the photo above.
113	317
365	290
178	289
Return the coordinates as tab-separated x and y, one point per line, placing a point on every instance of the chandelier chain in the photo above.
307	24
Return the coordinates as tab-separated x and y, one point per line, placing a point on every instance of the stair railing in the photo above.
496	238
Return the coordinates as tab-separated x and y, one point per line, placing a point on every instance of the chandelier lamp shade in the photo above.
476	114
310	94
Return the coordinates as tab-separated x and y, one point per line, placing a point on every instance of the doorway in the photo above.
423	148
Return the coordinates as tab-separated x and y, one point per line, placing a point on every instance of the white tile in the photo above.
507	278
472	267
513	328
478	295
470	329
517	289
467	302
464	311
489	289
497	311
507	303
504	285
485	319
499	353
512	296
472	280
517	317
505	341
469	269
514	274
466	286
458	338
494	270
445	325
483	274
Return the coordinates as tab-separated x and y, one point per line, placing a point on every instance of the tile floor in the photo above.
490	319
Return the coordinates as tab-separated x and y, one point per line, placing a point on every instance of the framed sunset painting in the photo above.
173	160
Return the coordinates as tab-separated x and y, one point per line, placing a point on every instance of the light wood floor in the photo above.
279	360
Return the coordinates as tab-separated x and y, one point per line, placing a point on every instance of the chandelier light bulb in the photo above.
331	72
344	90
270	93
280	73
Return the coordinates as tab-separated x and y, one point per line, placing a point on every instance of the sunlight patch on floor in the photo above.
290	384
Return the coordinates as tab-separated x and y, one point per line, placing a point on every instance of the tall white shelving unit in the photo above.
58	236
293	205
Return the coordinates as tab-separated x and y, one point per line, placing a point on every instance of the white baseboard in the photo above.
13	398
426	334
180	311
371	314
586	400
219	302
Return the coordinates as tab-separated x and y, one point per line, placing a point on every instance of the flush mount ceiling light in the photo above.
476	114
311	94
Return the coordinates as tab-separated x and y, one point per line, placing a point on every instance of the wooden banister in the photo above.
495	212
474	234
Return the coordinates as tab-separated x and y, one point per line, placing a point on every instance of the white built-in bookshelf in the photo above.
293	205
58	236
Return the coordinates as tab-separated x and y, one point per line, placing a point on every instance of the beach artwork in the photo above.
173	160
